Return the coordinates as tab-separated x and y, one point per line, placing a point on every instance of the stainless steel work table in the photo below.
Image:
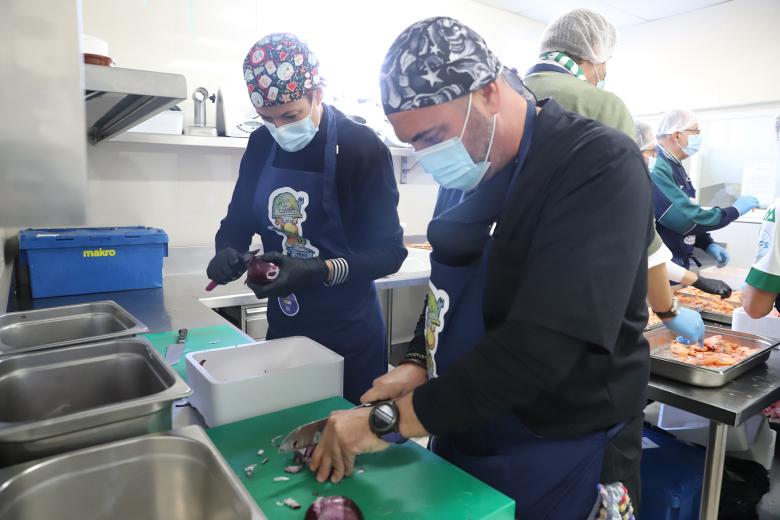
182	301
728	405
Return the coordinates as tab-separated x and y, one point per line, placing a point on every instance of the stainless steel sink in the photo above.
67	325
171	476
67	398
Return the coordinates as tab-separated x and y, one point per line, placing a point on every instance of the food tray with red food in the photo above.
772	412
725	355
711	307
653	321
735	299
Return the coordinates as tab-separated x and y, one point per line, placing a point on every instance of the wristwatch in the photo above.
385	422
671	313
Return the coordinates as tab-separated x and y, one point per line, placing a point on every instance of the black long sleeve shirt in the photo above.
367	195
565	292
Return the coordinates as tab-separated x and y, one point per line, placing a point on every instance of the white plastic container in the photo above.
234	383
692	428
169	122
768	326
763	450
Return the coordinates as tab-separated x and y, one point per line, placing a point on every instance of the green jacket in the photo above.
583	98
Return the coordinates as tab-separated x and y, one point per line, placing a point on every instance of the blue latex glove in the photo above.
745	204
687	324
719	254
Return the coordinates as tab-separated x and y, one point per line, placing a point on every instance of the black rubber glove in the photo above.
712	286
294	274
226	266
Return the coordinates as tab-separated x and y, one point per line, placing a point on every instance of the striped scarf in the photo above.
564	61
669	155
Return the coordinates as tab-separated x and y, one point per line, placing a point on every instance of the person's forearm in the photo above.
410	425
417	344
659	293
377	262
757	302
679	274
689	278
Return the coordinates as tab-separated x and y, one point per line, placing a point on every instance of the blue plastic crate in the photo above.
92	260
672	473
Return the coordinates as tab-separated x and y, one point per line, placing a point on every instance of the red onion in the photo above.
260	271
334	508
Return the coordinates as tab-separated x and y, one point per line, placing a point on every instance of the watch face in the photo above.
383	417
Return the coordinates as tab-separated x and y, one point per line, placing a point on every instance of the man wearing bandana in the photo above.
319	190
539	275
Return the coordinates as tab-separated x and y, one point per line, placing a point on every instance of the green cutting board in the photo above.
403	482
203	338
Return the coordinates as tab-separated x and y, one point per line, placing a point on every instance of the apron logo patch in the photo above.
287	213
689	240
437	305
770	215
289	305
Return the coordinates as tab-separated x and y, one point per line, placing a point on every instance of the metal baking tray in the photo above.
715	317
723	319
702	376
655	325
68	325
67	398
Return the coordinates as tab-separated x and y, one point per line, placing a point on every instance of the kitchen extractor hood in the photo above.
117	99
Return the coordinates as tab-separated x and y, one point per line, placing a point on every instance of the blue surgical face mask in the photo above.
694	144
450	163
599	81
294	136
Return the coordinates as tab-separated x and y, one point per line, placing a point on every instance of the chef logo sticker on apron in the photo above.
438	303
287	213
689	240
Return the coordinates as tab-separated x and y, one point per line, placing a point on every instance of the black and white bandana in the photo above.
435	61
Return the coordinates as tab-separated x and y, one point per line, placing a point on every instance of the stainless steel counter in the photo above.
729	405
182	302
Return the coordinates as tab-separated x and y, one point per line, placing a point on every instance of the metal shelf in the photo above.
181	140
117	99
208	142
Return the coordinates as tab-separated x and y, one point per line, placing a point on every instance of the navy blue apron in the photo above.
548	478
304	221
681	246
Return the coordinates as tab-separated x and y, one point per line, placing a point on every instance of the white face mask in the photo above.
650	164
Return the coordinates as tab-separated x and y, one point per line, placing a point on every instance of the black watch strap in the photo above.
385	422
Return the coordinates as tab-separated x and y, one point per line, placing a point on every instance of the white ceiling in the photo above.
620	12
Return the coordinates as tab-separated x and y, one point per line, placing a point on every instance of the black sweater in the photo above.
565	292
366	187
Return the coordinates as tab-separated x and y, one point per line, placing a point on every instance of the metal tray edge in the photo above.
137	328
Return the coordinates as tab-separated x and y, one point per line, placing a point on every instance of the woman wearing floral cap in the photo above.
319	190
